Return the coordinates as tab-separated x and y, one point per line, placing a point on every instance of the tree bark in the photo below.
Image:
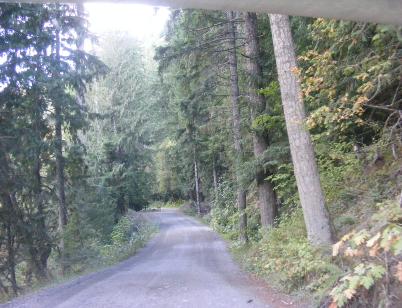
40	253
235	96
215	178
63	216
11	217
267	199
60	168
11	258
121	208
10	228
400	200
306	171
197	186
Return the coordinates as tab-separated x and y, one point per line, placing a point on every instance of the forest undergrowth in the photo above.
361	270
284	133
130	234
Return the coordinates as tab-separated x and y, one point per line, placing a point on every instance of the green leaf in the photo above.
367	282
397	247
360	269
377	271
354	282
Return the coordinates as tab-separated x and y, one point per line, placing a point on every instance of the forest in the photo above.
284	134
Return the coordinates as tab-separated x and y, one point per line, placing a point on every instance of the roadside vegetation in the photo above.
283	133
130	234
74	153
240	147
173	204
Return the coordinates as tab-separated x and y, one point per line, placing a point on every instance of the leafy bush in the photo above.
127	237
85	251
224	214
374	259
122	231
287	259
337	162
285	184
174	203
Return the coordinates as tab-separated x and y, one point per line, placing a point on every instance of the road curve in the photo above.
185	265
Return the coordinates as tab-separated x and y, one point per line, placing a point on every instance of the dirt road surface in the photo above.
185	265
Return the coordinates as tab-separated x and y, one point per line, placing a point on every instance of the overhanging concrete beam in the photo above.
378	11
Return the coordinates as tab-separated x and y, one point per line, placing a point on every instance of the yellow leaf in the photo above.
373	240
374	250
361	100
398	273
349	293
295	70
335	248
347	236
361	237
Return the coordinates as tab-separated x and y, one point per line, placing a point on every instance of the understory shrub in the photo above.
86	253
128	235
373	261
224	215
285	256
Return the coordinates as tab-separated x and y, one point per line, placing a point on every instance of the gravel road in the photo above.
185	265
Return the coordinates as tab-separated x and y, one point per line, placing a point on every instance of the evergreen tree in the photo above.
306	171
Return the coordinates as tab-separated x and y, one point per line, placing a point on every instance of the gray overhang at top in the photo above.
378	11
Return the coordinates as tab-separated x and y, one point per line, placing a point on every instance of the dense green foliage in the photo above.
351	81
116	131
121	133
40	87
100	151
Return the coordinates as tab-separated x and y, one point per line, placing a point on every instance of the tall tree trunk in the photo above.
60	168
400	200
121	208
44	246
307	177
235	96
11	217
11	258
41	252
266	195
215	178
63	217
81	43
197	185
10	228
